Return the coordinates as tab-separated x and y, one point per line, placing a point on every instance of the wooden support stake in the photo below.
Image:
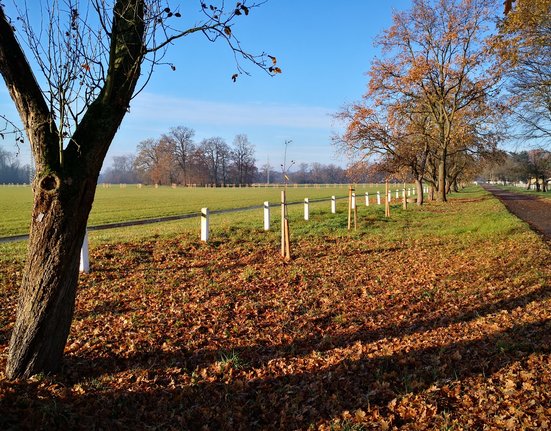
285	231
283	218
349	207
387	201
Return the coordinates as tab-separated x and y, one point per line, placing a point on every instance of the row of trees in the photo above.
435	108
11	170
531	167
175	158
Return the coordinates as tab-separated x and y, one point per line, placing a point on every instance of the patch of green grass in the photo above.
469	217
116	204
523	190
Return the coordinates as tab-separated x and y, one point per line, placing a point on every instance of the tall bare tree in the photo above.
182	140
242	156
90	56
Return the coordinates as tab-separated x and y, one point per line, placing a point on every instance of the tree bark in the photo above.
441	196
48	290
419	191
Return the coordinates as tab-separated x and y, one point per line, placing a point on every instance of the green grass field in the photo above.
438	219
117	204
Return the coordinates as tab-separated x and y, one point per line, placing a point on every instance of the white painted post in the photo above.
397	194
403	193
333	205
366	199
389	196
84	256
204	224
378	197
306	209
266	215
409	192
353	200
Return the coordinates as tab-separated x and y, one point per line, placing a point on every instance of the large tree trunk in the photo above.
441	196
48	290
419	191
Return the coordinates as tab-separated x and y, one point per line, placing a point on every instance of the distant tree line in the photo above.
10	169
176	158
531	167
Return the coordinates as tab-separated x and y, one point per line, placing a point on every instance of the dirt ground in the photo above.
533	210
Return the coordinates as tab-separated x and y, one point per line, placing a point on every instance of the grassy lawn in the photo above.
436	318
117	204
532	191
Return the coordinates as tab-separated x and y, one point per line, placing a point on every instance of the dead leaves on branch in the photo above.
355	333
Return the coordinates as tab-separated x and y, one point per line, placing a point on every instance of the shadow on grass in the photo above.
259	355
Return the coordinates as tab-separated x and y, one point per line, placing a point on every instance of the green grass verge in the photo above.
532	191
469	217
116	204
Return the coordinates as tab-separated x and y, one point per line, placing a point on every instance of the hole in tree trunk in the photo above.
49	183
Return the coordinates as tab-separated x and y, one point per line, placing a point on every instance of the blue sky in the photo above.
324	49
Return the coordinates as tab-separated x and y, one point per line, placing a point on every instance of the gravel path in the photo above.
533	210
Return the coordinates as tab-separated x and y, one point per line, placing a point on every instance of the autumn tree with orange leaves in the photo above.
434	85
524	44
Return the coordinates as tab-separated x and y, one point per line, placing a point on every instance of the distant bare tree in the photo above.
181	139
243	160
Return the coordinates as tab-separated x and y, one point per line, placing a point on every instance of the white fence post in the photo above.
84	256
378	197
353	200
333	204
204	224
266	215
389	196
306	209
366	199
409	192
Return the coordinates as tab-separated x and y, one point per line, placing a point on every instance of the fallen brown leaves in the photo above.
352	334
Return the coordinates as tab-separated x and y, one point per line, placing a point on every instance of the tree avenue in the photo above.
431	97
91	70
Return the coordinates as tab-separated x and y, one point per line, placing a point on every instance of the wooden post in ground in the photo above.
352	208
285	234
266	215
204	224
387	201
84	256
